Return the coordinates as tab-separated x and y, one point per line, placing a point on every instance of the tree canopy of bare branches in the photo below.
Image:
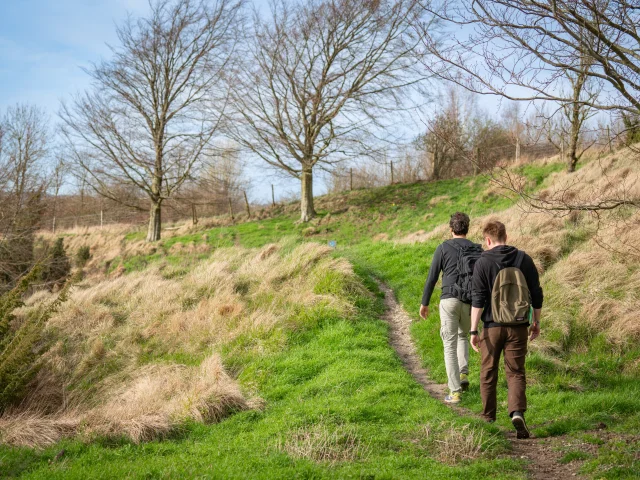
523	49
577	54
318	76
462	140
157	103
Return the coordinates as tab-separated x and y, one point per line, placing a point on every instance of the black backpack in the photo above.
467	257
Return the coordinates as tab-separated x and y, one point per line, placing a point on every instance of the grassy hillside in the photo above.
292	325
330	399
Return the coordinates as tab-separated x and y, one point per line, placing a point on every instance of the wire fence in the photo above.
416	168
102	218
410	169
173	210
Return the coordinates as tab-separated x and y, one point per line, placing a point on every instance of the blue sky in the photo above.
45	43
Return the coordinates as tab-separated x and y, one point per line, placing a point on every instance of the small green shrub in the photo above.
20	349
57	268
83	255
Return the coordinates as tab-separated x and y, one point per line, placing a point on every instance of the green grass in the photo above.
337	373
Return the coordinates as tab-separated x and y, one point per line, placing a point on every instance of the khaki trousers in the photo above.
455	321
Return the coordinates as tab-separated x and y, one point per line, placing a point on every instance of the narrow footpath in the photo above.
541	456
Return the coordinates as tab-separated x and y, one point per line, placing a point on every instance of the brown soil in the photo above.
542	455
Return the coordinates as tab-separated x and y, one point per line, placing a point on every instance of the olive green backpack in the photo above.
510	297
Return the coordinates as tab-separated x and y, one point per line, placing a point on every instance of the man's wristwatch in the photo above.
475	332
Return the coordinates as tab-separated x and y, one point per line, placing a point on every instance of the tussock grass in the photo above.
33	429
455	443
138	355
324	443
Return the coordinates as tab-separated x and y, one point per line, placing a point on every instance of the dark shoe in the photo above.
464	381
522	431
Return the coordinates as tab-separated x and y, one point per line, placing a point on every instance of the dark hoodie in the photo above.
485	273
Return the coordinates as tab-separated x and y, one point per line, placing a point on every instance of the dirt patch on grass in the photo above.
401	341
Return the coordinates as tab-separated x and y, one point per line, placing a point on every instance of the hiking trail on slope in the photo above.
541	455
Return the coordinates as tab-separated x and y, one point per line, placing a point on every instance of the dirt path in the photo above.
542	455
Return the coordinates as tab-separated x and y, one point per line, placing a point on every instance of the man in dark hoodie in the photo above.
497	338
454	313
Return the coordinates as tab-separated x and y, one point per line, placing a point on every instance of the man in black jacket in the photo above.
500	337
454	314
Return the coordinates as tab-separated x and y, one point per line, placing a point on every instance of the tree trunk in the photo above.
306	198
155	222
572	157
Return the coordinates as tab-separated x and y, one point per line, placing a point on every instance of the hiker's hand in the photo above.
534	331
424	311
474	342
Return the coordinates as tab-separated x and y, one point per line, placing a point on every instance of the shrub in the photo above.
16	258
58	266
83	255
19	348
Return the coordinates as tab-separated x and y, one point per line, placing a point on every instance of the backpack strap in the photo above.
519	259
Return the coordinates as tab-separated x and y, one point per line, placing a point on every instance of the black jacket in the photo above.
485	273
445	259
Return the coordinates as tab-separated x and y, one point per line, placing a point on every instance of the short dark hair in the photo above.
495	230
459	223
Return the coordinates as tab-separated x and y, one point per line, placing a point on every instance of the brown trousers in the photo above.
513	342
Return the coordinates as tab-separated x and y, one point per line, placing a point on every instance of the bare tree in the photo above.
223	175
25	141
58	177
579	110
220	179
445	137
24	146
521	49
319	76
157	104
461	139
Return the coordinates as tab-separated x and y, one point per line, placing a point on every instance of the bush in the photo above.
20	349
58	266
16	258
83	255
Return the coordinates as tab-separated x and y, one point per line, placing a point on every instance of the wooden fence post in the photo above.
351	179
53	228
391	173
517	150
246	202
194	214
476	167
273	196
231	210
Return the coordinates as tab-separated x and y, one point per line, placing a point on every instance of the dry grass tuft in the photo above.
322	443
381	237
34	430
454	443
439	199
161	397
